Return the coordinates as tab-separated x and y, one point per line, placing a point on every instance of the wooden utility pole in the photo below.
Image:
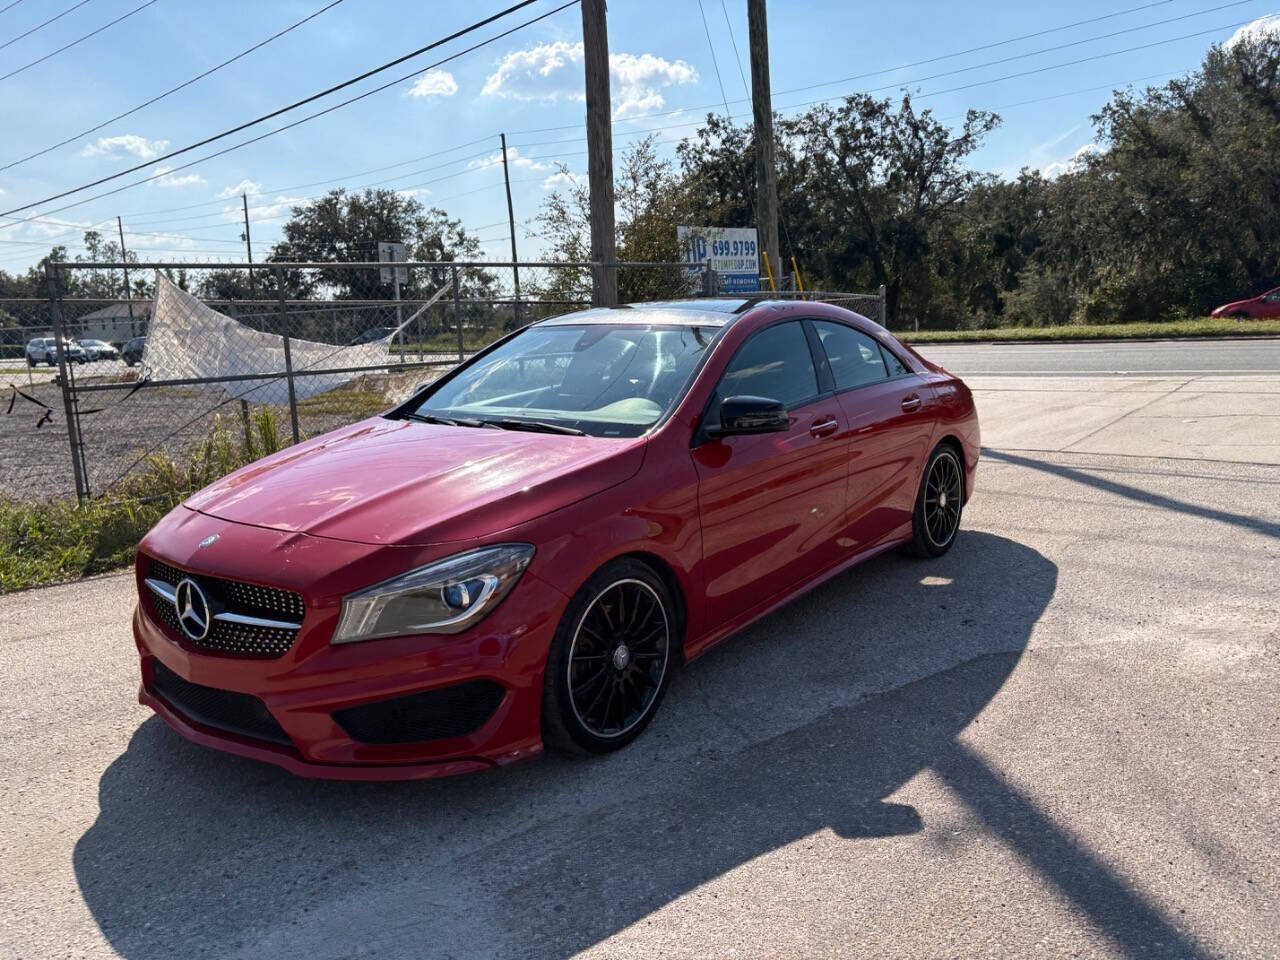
128	294
762	105
511	220
604	249
248	245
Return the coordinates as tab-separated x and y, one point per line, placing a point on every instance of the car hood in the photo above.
1233	305
403	482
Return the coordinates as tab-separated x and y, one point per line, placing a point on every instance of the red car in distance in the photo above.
1261	307
525	551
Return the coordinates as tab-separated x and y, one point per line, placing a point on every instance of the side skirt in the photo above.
723	632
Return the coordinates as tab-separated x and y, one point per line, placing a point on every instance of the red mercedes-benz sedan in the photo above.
524	552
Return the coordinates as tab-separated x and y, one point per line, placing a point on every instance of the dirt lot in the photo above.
119	425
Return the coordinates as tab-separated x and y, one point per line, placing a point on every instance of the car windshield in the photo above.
605	380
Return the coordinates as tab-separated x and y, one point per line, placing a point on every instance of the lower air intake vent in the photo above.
432	715
236	713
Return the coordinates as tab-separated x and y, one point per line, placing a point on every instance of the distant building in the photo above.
112	323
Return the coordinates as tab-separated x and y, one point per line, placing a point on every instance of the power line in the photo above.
1019	56
714	63
295	105
1037	70
42	25
172	90
92	33
668	113
10	6
302	186
904	66
737	56
287	126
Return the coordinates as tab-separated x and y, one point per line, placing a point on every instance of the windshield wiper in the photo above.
535	426
450	421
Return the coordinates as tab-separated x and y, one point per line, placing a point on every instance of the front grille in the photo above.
269	601
236	713
453	711
234	597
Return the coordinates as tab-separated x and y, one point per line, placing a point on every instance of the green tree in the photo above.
348	227
884	184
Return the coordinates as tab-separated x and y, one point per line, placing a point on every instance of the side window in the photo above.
774	363
855	358
896	367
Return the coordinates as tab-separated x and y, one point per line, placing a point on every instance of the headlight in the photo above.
447	596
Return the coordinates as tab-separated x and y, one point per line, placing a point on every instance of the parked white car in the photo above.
45	350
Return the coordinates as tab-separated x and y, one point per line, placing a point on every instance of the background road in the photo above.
1165	357
1061	739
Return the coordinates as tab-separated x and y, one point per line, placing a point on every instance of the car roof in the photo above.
680	313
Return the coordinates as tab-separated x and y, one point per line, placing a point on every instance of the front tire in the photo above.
939	504
611	660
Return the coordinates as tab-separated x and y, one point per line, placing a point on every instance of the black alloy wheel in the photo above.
938	504
611	660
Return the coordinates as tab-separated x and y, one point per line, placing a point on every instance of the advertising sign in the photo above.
733	252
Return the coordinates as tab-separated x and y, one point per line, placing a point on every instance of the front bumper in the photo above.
304	688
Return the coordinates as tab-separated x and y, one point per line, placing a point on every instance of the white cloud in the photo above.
244	186
1072	163
514	160
553	71
126	143
434	83
1258	30
561	178
281	206
166	241
637	80
167	179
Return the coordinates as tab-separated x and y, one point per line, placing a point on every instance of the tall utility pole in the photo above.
128	294
762	105
511	219
604	248
248	245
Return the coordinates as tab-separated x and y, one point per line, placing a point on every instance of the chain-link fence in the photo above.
224	363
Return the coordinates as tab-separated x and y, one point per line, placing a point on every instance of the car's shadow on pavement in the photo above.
806	722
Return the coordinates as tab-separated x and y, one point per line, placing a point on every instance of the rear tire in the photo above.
611	660
935	524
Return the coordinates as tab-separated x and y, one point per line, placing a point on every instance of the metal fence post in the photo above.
709	279
248	431
52	276
288	357
457	314
884	315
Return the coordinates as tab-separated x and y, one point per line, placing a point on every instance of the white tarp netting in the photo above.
188	339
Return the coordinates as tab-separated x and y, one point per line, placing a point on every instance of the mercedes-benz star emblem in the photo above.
193	609
209	541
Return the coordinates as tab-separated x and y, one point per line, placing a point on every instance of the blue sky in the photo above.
437	135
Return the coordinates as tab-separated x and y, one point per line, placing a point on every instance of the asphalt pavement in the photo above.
1061	739
1113	358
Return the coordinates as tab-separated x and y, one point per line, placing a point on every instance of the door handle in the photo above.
911	403
824	428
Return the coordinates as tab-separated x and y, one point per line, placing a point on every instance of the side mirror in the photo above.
741	416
